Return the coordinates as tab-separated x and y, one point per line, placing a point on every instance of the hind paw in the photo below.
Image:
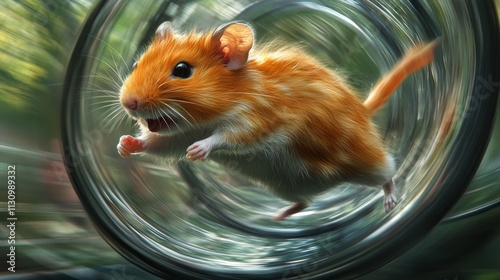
389	196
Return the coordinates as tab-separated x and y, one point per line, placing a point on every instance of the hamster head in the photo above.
183	81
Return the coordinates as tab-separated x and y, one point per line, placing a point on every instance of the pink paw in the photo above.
129	145
199	151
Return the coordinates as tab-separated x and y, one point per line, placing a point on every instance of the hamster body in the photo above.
278	117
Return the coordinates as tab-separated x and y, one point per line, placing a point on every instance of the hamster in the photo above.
278	117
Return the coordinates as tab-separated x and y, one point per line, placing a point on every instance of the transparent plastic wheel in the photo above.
204	221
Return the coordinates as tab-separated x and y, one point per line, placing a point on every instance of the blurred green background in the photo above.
52	230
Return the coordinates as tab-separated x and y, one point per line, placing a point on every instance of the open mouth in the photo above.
155	125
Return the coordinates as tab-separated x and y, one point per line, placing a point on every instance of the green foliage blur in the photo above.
36	40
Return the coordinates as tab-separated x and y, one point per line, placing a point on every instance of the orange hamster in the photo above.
277	116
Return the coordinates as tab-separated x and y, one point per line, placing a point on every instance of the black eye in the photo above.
134	65
182	70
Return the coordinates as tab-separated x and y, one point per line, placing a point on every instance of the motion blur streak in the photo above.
62	66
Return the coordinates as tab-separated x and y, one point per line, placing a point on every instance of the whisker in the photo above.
114	102
168	116
97	94
103	77
177	113
105	107
178	101
103	87
123	118
114	113
113	49
165	101
161	83
189	114
117	116
107	78
115	71
162	116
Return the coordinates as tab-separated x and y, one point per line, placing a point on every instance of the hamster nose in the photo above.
130	104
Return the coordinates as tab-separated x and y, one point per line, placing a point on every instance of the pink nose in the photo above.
130	104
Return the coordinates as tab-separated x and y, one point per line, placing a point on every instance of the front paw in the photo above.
199	151
129	145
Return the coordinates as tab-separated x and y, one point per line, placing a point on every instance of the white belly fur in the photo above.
271	164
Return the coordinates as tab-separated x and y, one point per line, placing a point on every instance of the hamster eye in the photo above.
182	70
134	65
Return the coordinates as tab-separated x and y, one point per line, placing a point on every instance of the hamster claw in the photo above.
201	149
389	196
198	151
129	145
389	202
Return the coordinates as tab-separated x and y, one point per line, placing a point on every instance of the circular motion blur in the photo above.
205	220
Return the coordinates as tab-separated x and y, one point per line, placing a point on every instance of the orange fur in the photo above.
330	128
329	125
151	81
418	57
309	129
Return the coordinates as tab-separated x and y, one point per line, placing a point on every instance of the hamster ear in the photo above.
235	40
165	29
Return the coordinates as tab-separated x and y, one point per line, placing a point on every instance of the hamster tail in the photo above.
415	59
